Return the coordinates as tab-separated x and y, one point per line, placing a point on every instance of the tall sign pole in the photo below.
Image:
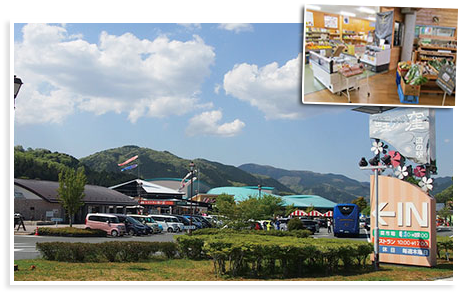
192	166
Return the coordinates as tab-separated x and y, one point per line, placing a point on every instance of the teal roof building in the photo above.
299	201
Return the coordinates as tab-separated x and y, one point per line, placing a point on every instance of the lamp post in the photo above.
17	85
192	166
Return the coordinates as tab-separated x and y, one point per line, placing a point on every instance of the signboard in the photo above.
330	21
49	213
410	130
446	79
406	223
309	18
56	219
156	202
189	227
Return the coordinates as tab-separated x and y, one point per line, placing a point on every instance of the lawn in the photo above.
161	269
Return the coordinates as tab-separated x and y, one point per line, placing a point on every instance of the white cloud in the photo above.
191	26
121	74
236	27
274	90
207	123
217	88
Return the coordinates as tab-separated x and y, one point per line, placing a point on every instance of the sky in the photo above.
212	91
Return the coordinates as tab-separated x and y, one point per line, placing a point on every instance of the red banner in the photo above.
156	202
418	243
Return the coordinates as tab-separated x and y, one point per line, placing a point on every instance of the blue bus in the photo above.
346	220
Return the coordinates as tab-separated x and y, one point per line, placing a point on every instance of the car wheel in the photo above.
131	232
170	230
114	233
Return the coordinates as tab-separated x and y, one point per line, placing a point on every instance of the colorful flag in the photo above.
129	167
129	160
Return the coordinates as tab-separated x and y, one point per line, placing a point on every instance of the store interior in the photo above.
380	55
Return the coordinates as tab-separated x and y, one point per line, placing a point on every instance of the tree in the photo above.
309	209
361	202
295	224
445	213
71	191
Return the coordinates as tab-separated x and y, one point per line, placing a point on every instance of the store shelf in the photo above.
438	48
443	38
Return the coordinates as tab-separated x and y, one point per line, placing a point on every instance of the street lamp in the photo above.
192	166
17	85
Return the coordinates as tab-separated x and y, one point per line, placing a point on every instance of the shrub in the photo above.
295	224
71	232
190	247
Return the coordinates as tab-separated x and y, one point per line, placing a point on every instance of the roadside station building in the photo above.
158	199
319	203
38	200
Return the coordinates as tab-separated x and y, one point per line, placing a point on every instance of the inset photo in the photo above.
375	55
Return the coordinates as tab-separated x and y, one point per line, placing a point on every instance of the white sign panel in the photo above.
410	130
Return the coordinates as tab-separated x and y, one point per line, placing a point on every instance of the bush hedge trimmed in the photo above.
261	255
444	243
71	232
115	251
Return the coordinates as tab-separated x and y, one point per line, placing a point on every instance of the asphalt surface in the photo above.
24	244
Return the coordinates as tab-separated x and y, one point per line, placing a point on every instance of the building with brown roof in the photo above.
38	200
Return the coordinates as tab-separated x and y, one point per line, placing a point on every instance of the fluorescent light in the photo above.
313	7
347	13
367	10
371	18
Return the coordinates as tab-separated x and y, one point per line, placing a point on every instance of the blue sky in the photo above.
227	93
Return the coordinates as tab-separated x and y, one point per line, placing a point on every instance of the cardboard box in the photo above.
410	90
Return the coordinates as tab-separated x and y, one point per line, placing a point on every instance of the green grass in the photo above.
161	269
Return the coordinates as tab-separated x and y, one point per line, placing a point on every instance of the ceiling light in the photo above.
313	7
347	13
367	10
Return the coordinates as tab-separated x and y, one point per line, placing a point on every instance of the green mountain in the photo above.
337	188
162	164
46	165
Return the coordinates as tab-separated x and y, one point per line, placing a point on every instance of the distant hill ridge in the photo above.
102	169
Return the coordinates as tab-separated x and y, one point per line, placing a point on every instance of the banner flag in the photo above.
129	160
410	130
129	167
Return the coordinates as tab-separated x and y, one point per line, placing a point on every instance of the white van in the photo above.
166	222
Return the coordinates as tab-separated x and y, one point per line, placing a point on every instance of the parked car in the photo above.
206	223
195	222
167	226
144	219
133	226
322	222
311	225
105	222
185	221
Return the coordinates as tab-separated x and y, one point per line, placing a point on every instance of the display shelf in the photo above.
443	38
438	48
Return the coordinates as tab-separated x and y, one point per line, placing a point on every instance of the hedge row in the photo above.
116	251
444	243
278	233
257	255
71	232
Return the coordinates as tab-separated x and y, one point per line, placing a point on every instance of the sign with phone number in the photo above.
404	242
403	234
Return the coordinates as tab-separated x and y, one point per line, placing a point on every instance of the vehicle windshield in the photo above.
133	221
149	220
114	220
